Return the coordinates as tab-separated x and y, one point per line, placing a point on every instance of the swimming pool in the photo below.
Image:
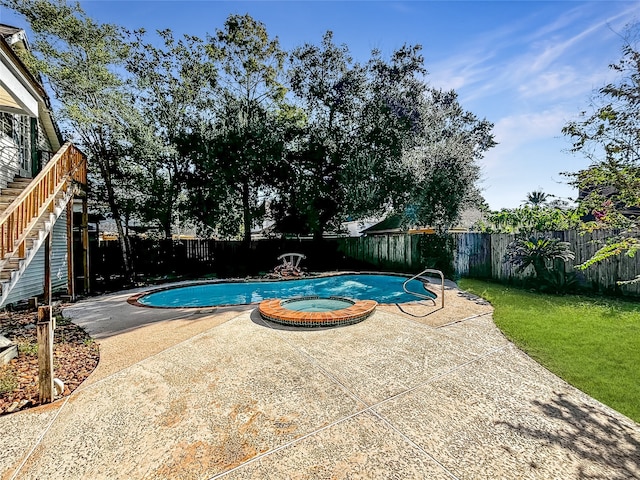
378	287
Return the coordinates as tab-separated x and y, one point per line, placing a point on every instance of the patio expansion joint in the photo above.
407	439
368	409
463	320
38	440
478	358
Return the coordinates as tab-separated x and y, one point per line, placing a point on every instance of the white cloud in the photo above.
550	83
516	131
561	59
530	155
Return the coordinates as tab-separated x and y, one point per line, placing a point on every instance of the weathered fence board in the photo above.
482	255
474	254
390	252
603	276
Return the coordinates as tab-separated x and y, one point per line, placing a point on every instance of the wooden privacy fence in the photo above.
482	255
222	258
396	251
477	255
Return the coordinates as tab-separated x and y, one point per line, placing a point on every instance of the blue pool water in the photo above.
316	304
381	288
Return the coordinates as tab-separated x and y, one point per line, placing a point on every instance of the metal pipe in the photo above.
425	297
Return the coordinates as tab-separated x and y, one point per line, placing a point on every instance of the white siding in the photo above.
32	282
10	152
43	140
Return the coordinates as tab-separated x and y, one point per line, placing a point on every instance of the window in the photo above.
18	129
22	137
6	124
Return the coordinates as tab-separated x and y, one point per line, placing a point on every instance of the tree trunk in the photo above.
540	267
317	234
246	214
123	239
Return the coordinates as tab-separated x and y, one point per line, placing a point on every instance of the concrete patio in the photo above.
219	393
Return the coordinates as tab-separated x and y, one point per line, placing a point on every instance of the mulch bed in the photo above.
75	356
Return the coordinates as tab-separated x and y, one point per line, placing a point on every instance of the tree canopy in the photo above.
80	59
229	129
609	136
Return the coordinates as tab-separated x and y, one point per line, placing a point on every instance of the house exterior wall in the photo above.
9	160
26	128
44	144
44	151
32	282
17	151
28	141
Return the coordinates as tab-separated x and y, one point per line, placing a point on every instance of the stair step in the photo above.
12	190
19	184
10	194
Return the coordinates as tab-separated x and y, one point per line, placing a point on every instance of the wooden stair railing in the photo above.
17	221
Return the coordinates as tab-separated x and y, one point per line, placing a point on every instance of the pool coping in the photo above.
134	299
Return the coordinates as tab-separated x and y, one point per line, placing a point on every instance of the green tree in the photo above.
174	84
376	178
536	198
329	88
528	220
80	59
608	136
379	139
443	161
237	152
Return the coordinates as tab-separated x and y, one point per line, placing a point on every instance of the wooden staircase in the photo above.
30	208
7	197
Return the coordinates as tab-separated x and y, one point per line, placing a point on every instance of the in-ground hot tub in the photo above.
315	311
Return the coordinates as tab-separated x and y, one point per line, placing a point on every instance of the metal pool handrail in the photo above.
422	295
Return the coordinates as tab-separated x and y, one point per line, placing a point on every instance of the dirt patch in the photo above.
75	356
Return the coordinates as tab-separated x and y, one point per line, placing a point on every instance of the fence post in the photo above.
44	332
71	281
85	245
48	244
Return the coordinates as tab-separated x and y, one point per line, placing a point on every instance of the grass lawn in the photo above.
591	342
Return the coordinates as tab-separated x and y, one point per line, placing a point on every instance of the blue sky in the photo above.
527	66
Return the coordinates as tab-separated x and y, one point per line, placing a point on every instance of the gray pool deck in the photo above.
217	393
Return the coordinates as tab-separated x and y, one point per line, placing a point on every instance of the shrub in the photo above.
540	253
